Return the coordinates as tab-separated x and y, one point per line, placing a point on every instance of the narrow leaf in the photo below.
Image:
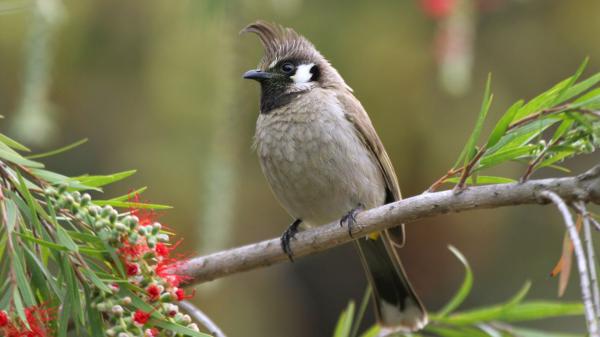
464	289
59	150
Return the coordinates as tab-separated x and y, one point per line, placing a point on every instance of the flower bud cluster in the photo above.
144	252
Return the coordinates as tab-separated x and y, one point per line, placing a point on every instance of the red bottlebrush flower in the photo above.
437	8
162	250
133	251
146	217
153	292
37	318
151	332
141	317
181	294
3	319
132	269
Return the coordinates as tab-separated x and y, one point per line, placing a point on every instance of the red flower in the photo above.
37	318
153	292
132	269
437	8
181	294
162	250
133	251
141	317
3	318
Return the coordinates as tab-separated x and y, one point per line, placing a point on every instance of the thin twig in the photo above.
580	206
537	115
532	164
443	179
468	168
585	187
584	278
202	318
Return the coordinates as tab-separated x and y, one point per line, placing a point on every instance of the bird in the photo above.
324	162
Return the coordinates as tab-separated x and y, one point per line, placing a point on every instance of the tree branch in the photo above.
584	187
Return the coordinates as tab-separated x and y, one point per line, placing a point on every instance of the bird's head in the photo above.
290	66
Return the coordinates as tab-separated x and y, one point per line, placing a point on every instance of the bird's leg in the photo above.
350	218
289	234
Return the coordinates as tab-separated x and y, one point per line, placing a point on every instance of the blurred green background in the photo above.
156	86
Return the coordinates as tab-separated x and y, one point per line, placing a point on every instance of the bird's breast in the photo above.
315	162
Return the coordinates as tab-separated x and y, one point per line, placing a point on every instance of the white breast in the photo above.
314	161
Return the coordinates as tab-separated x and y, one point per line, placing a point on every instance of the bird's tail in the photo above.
397	306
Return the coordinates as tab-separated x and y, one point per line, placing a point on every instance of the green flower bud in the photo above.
133	238
121	227
151	242
112	215
85	199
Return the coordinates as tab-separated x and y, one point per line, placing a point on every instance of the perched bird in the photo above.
324	161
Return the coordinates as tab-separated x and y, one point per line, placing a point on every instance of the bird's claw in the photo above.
287	236
350	218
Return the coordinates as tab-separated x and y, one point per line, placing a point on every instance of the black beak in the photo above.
257	75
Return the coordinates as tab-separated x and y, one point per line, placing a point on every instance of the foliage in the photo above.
68	262
559	123
490	321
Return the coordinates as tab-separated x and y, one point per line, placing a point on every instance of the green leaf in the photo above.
522	332
16	158
344	324
464	289
373	331
95	327
95	280
523	134
544	100
11	214
503	124
520	295
361	311
19	308
563	94
562	128
102	180
64	239
456	331
65	315
557	156
48	244
49	278
504	156
177	328
483	180
465	155
130	196
498	312
582	86
22	279
13	143
534	310
127	204
59	150
590	96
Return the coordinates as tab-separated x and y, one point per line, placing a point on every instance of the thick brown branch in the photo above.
585	187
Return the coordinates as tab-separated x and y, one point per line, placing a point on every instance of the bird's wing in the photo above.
356	114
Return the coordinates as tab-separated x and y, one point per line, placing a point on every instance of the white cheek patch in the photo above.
303	74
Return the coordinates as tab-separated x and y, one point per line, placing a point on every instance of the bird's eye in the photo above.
288	67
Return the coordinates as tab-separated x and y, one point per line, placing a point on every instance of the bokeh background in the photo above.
156	86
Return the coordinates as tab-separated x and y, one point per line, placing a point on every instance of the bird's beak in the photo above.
257	75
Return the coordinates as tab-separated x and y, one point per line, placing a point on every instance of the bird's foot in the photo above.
288	235
350	218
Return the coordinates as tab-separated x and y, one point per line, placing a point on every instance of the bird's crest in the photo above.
281	43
